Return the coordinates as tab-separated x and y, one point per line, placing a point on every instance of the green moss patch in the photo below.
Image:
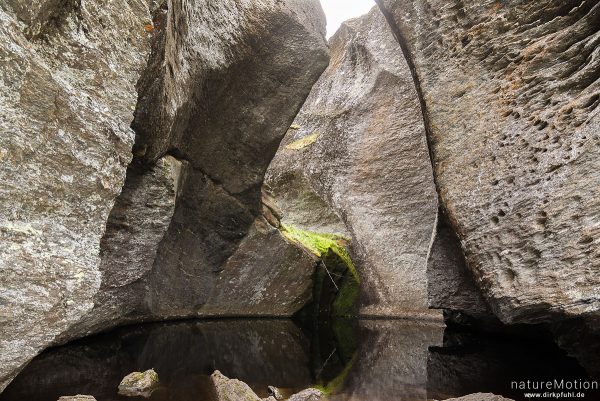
338	267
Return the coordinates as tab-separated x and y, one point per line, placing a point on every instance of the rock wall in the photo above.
230	81
67	95
510	92
355	160
222	84
203	247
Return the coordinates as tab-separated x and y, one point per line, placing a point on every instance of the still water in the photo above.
367	360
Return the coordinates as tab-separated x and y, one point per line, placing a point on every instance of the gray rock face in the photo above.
222	85
510	91
219	93
136	225
357	150
66	101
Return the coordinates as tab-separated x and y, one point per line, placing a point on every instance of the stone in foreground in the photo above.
275	393
78	397
139	384
231	389
310	394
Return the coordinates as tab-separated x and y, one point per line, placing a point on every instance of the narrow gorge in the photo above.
198	185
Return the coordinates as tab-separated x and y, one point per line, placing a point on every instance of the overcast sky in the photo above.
338	11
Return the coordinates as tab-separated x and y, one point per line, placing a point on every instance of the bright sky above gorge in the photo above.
338	11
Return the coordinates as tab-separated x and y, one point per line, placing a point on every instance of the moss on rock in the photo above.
338	267
303	142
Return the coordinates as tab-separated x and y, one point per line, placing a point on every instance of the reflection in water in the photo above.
391	362
183	354
469	363
370	360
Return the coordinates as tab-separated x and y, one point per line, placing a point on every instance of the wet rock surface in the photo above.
67	95
518	178
355	160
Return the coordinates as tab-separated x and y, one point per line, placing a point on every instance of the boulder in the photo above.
355	162
138	384
66	103
450	284
309	394
275	393
231	389
268	275
235	390
510	95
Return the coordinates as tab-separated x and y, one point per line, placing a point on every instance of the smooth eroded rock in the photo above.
510	93
355	160
450	283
